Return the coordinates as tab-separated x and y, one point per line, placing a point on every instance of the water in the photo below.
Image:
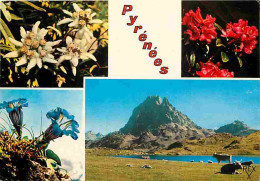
196	158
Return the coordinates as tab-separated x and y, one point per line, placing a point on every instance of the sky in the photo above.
44	101
208	103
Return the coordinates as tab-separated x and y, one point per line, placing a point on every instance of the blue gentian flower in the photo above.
62	124
14	109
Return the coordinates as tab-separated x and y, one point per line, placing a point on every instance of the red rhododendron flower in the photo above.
242	33
199	28
210	69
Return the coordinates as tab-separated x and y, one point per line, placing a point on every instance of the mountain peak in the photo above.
166	102
153	113
153	100
236	128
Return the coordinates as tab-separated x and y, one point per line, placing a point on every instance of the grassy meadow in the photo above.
101	167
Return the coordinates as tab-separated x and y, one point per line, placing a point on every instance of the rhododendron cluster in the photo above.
210	69
242	33
199	28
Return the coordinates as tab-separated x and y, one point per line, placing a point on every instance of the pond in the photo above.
195	158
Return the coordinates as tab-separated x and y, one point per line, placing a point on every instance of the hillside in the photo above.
237	128
220	143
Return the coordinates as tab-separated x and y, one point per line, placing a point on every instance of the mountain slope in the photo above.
154	124
89	135
237	128
153	113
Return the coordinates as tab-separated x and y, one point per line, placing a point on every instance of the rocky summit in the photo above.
154	124
155	115
237	128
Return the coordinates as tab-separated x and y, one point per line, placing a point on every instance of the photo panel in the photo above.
41	134
140	129
220	39
53	43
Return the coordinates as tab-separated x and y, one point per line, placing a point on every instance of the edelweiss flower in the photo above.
33	48
76	49
80	19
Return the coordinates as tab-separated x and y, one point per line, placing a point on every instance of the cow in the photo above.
231	168
247	163
223	157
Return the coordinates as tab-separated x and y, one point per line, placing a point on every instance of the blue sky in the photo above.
209	103
45	100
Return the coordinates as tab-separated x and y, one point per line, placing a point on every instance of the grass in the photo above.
101	167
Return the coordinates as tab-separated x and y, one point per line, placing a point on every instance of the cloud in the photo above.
72	154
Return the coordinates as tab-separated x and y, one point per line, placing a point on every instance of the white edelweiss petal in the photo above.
88	31
87	55
80	33
48	48
39	62
42	33
36	54
12	54
61	59
35	27
64	21
22	32
88	10
95	21
52	43
77	41
40	48
49	60
93	14
68	40
15	42
75	23
87	37
22	61
64	57
76	7
31	64
50	56
67	57
74	70
75	61
67	12
62	50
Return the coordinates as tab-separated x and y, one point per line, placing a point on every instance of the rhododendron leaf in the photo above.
219	43
224	57
63	69
197	66
14	17
33	5
92	68
207	46
51	155
218	26
192	59
240	61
